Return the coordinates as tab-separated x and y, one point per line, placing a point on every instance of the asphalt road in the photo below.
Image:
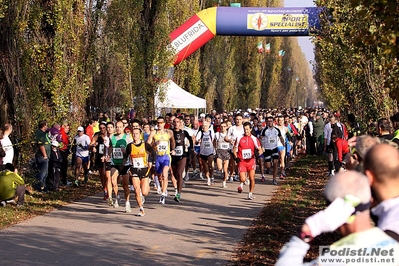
203	229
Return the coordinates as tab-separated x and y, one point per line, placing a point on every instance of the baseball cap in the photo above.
55	143
81	129
337	114
202	115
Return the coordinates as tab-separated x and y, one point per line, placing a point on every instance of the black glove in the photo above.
238	160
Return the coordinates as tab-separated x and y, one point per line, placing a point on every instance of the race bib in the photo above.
162	146
246	154
271	141
100	148
138	162
224	146
207	145
179	150
117	153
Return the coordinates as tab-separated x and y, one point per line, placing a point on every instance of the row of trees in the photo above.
63	59
357	55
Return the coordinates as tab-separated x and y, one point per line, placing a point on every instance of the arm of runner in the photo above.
151	154
172	142
93	143
127	153
228	135
190	139
151	137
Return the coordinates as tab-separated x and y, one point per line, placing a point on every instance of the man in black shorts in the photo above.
141	156
269	138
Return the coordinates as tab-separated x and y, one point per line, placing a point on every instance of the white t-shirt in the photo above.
221	144
270	138
84	141
8	148
206	146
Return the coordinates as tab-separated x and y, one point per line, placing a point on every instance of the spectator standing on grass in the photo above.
318	131
348	195
2	152
7	144
64	150
55	164
42	155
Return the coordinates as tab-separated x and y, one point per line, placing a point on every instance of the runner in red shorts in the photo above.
244	152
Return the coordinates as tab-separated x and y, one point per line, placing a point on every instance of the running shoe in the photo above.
231	179
250	197
239	189
110	201
212	181
186	177
3	203
236	178
263	179
224	184
159	191
281	176
177	197
116	202
162	199
201	176
131	188
195	174
127	207
76	183
246	182
141	212
274	182
209	182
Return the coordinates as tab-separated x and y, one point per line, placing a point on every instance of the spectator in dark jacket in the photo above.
55	164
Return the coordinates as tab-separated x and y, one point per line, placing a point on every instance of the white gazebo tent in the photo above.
170	95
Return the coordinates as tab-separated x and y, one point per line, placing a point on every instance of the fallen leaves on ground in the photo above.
298	197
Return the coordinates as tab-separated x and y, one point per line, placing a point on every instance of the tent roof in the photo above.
176	97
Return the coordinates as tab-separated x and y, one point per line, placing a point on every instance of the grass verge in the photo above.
298	197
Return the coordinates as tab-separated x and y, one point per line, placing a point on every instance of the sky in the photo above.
304	42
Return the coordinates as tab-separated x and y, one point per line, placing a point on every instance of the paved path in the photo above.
203	229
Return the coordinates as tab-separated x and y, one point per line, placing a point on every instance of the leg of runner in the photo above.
178	170
261	163
126	190
114	182
109	183
78	167
251	176
205	169
282	162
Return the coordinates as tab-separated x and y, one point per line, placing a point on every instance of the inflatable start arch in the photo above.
241	21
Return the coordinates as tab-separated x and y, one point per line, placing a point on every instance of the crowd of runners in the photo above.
145	154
